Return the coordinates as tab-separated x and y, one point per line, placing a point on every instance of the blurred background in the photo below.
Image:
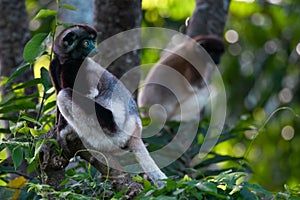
261	74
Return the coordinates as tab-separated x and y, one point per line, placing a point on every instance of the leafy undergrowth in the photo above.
227	185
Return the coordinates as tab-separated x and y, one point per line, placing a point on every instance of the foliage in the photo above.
265	59
226	185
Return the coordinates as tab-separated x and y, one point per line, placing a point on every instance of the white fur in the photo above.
88	127
130	125
65	131
119	112
93	93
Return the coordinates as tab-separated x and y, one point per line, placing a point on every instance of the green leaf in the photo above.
16	108
37	150
257	188
43	13
217	159
24	130
49	94
10	118
171	184
28	84
120	194
163	197
207	187
197	194
7	98
54	142
4	130
178	191
15	100
68	6
37	133
34	47
18	71
46	80
247	195
17	156
15	105
49	105
27	118
2	146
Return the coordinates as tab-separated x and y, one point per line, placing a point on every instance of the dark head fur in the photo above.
67	44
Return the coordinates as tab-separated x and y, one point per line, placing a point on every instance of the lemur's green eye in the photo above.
86	44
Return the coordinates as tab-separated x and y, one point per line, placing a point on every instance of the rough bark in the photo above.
209	18
14	34
52	164
115	16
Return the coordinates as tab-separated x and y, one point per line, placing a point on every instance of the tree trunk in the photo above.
82	15
14	34
115	16
209	18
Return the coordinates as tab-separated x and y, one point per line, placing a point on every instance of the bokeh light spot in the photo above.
285	95
287	132
247	1
257	19
275	1
251	134
239	149
234	49
231	36
270	47
259	114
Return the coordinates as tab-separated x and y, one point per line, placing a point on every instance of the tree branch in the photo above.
209	18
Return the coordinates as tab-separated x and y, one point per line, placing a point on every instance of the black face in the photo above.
76	43
79	48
